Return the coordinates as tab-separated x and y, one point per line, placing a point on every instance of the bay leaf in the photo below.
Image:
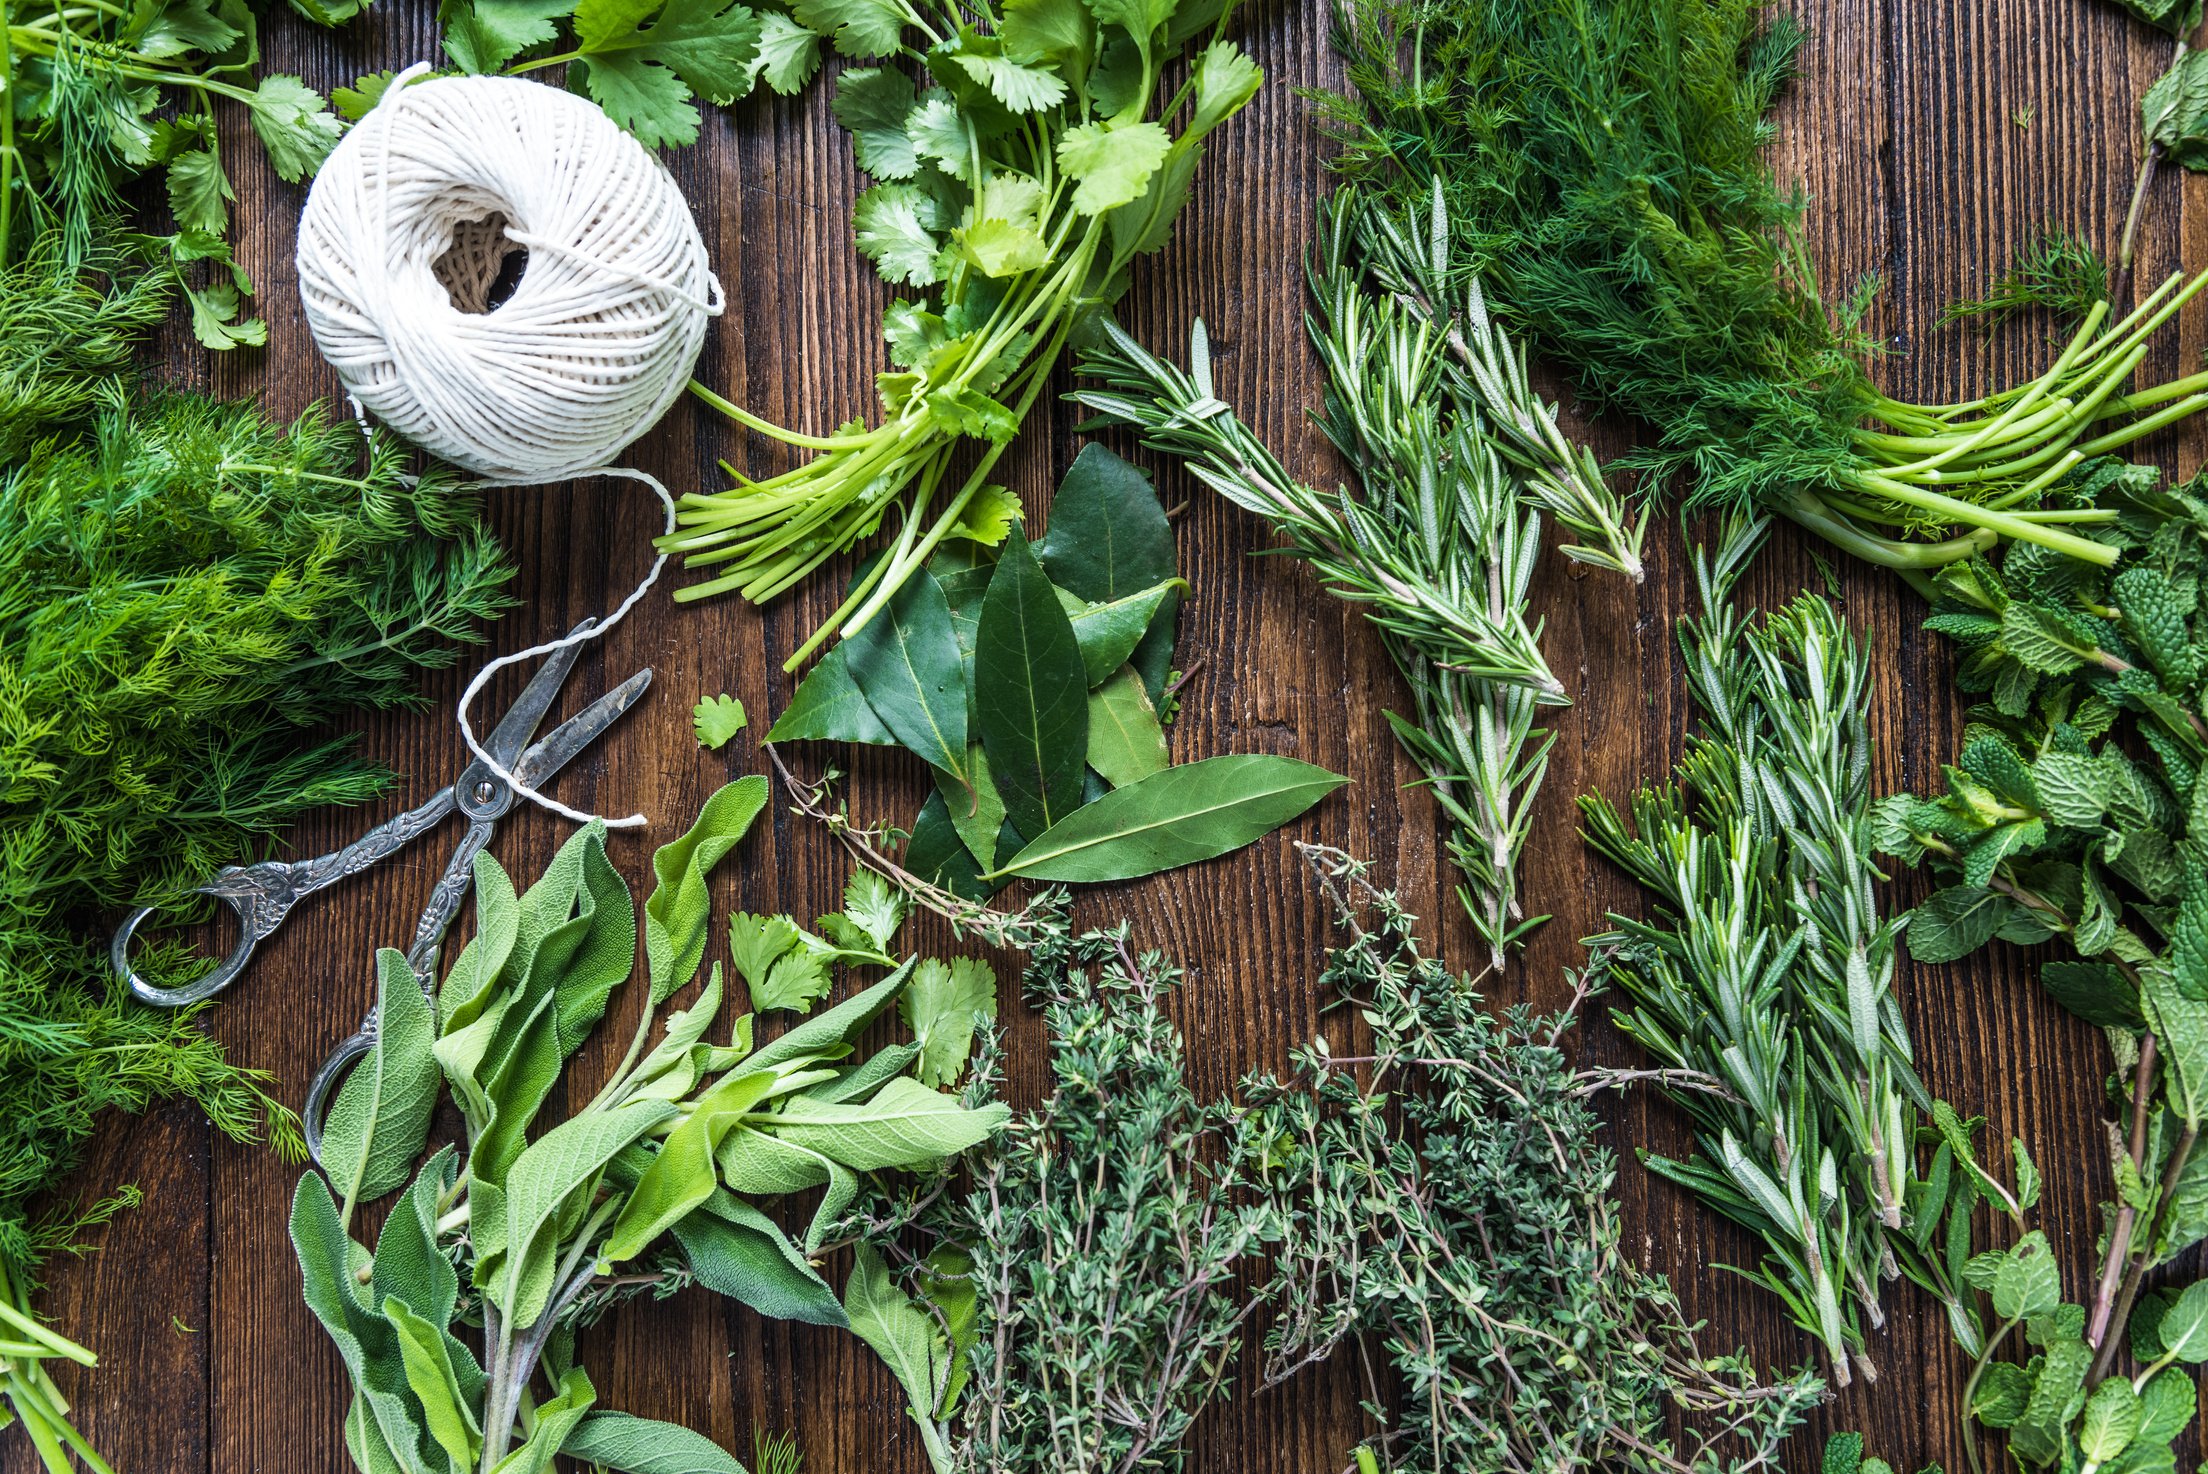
1032	692
939	856
907	663
1176	817
1107	536
1126	744
1108	633
976	811
828	706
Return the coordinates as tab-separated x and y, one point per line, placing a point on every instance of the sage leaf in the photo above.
675	916
905	1125
543	1180
1126	743
467	987
556	1418
586	956
633	1445
1108	536
447	1409
901	1333
867	1078
329	1263
838	1026
681	1175
907	663
828	706
737	1251
1108	633
381	1119
1192	812
976	809
752	1161
364	1440
409	1263
1031	689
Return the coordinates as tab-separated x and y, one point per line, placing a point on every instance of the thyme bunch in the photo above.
1769	966
1455	1205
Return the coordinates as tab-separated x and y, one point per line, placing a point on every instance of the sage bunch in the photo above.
527	1230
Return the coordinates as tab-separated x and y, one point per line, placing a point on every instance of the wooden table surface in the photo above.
1932	135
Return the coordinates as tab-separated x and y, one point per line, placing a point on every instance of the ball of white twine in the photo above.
402	236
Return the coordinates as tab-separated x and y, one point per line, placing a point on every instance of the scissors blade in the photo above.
569	738
520	723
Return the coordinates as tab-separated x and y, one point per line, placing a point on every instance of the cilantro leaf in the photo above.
937	130
941	1006
1019	86
296	126
860	28
797	980
873	104
1225	80
1034	29
788	54
988	517
1113	164
484	36
1000	248
200	192
875	906
357	101
781	964
888	225
643	75
717	719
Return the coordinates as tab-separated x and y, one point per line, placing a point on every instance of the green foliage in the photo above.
1764	982
1603	165
1457	1205
1023	678
99	96
1024	157
1453	456
2053	272
533	1229
717	720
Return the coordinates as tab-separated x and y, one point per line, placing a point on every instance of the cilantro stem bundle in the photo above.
1603	168
1019	185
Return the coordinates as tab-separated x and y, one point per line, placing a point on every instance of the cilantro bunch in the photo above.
92	97
1024	157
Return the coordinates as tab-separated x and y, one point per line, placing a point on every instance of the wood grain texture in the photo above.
1931	136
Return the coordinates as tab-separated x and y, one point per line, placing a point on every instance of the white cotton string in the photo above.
406	227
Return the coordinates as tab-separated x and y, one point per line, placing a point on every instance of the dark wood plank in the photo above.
1931	138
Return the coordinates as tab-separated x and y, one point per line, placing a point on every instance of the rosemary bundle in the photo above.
1452	454
1603	164
1769	968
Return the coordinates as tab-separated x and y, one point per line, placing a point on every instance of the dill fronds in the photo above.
1604	169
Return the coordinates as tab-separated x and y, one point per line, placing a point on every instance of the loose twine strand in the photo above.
406	225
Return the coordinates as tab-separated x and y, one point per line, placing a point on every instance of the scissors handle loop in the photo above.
201	989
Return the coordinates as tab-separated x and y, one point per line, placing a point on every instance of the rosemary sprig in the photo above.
1768	964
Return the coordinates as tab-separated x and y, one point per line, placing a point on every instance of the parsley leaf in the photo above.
296	126
941	1006
717	719
643	75
1113	164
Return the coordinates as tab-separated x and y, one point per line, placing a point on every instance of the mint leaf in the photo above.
717	719
1112	164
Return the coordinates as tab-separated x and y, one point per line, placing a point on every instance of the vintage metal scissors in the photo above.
262	895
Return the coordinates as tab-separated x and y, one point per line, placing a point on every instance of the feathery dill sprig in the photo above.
1604	171
1769	965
